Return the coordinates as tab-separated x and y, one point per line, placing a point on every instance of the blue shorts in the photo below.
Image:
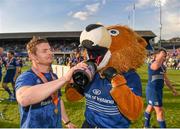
9	78
0	76
154	96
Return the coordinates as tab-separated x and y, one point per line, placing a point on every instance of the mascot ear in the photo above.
141	41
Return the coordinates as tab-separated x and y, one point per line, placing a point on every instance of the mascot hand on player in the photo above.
114	53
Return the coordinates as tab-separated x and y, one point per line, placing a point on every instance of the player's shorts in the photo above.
8	78
154	96
0	76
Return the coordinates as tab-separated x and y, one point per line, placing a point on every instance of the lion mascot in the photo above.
114	96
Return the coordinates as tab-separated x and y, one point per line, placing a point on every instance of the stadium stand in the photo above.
60	41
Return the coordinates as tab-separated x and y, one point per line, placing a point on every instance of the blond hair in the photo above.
31	45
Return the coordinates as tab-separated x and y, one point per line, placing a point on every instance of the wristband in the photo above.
67	122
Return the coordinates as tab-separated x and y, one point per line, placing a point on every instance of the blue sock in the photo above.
8	90
147	117
162	124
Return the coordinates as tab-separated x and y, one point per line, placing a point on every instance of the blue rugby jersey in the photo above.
154	89
156	77
101	109
11	68
39	115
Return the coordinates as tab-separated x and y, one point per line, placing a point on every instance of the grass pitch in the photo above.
9	112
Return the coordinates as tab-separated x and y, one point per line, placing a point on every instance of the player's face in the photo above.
44	54
9	55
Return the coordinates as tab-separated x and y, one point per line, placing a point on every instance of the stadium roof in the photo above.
147	33
65	34
41	34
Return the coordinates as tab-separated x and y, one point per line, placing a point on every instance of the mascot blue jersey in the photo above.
101	109
155	85
39	115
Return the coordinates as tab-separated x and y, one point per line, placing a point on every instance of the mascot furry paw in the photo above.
113	97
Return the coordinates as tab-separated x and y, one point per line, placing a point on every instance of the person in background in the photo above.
154	89
20	62
38	89
2	61
12	70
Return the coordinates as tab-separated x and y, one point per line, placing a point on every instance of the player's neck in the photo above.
41	68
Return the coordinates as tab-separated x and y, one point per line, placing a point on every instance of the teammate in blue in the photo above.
154	89
38	89
12	69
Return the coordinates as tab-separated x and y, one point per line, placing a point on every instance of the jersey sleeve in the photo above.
16	63
25	79
134	83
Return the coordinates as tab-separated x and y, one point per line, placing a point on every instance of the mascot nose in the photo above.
87	44
92	26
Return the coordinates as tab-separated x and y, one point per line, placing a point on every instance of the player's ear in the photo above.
30	56
33	57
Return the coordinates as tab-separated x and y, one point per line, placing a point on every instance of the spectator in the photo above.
12	70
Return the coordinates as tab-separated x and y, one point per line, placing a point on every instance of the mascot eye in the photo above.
113	32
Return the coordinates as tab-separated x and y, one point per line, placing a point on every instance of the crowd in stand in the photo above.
56	46
172	60
70	60
173	56
64	47
17	47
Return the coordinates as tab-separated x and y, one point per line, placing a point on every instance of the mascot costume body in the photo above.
113	97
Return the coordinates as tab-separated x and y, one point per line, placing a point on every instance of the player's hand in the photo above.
14	79
70	125
80	65
175	93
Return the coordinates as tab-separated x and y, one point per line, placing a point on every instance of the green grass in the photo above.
75	110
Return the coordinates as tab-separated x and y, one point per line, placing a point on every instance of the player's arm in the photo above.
27	95
17	65
1	62
169	85
156	64
18	68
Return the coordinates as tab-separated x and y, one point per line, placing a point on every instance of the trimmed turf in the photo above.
75	111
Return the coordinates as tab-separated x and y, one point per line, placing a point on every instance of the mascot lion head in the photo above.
113	46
